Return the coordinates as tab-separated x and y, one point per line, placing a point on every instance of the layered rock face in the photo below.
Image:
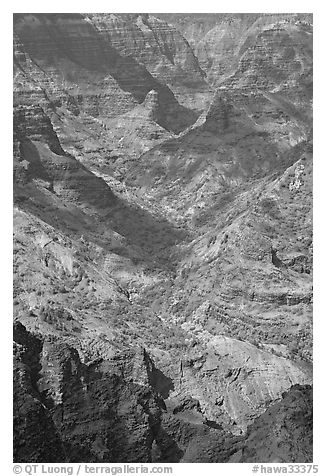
214	37
89	412
163	238
104	74
289	437
219	40
35	437
169	57
235	175
97	85
111	410
39	156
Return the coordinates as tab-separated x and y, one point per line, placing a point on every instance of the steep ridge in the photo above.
93	407
219	40
164	282
39	155
261	236
92	75
87	87
291	69
160	47
245	134
59	293
249	166
222	151
289	438
214	37
109	409
35	436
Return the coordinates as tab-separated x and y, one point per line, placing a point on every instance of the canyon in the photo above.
162	237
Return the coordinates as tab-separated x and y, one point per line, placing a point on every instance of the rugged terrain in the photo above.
162	238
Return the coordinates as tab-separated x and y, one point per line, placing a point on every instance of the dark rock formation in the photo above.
105	66
90	413
38	155
218	115
35	436
109	411
284	432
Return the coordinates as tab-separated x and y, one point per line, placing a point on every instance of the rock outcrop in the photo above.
39	156
109	410
219	40
89	412
35	436
235	381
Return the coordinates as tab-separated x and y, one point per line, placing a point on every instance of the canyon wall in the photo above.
162	237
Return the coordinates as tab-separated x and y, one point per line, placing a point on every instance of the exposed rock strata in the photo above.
39	155
164	281
284	432
109	411
98	75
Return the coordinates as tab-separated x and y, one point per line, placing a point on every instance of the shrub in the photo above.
54	314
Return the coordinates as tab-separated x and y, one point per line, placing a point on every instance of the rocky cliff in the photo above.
105	74
112	410
162	237
39	156
220	39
